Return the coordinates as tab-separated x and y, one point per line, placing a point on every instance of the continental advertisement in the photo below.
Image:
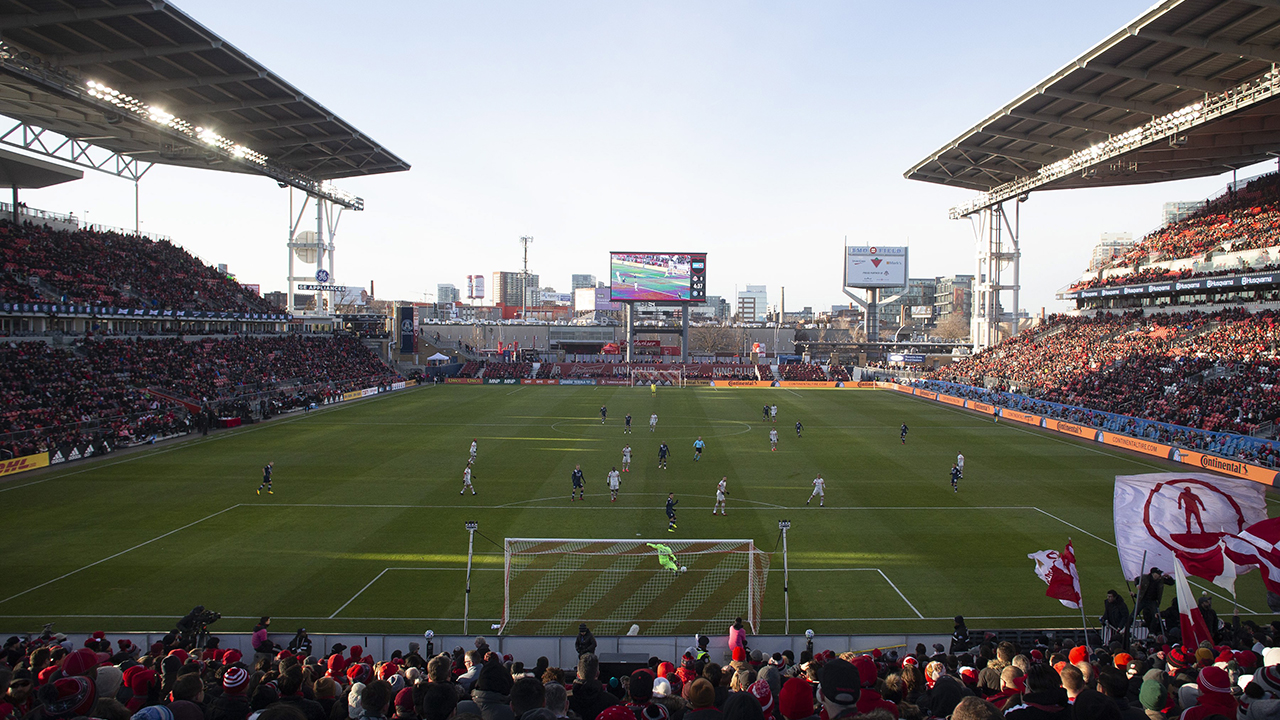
981	407
1021	417
743	383
807	384
24	463
951	400
927	395
1136	444
1266	476
902	388
1079	431
864	385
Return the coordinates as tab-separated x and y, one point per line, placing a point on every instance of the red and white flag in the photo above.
1058	571
1258	544
1194	629
1161	516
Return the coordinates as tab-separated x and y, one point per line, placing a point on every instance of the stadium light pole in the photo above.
783	525
471	526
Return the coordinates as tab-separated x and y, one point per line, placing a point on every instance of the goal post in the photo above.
551	585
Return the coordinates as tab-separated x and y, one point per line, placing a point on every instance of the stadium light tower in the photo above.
524	275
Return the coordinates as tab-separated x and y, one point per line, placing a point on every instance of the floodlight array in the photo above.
1159	128
35	68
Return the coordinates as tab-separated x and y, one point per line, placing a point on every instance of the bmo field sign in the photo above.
874	266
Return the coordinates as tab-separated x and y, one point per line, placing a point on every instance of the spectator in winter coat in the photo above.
737	635
586	642
588	698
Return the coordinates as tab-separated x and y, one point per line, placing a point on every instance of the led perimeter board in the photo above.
658	277
875	267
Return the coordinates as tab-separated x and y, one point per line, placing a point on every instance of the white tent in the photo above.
438	356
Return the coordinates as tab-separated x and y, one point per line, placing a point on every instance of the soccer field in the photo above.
365	529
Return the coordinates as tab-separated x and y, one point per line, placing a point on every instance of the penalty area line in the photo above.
904	597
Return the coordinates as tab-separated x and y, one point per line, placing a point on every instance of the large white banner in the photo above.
875	266
1158	513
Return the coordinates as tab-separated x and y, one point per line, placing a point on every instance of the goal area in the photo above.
553	584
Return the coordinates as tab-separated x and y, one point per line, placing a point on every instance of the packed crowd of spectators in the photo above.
97	389
802	371
1214	372
973	679
1244	219
86	267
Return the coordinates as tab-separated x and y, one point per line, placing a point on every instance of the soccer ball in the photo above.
683	568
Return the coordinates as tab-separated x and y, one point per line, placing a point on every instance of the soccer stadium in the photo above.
321	500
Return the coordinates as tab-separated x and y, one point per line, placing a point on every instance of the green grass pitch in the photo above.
364	532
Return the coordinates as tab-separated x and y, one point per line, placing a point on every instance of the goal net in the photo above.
553	584
657	376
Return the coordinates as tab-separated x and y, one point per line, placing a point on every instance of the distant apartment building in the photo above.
582	281
508	287
447	293
1111	245
753	303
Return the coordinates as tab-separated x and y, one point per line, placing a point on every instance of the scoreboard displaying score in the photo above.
658	277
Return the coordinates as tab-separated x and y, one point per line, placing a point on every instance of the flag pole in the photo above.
1083	623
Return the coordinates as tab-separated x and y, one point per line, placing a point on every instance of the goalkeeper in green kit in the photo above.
666	557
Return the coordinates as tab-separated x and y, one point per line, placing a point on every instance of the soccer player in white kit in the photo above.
473	449
960	463
721	490
819	486
773	412
626	458
615	481
466	481
653	422
773	439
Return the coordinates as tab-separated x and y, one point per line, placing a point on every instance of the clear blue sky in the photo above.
761	133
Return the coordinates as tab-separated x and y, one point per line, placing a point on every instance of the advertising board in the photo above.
875	266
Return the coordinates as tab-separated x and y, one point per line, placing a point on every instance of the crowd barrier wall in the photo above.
559	650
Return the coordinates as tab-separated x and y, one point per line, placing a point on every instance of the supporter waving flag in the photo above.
1190	621
1058	571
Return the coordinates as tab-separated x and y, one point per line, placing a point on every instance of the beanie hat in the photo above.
1213	680
356	650
1269	680
654	711
969	675
153	712
760	691
795	700
386	670
701	694
235	679
616	712
337	664
665	669
1078	653
641	686
404	698
142	681
46	675
231	657
68	697
180	654
108	680
1178	657
662	688
739	654
910	660
359	673
866	670
1121	660
82	662
838	682
1037	655
1247	659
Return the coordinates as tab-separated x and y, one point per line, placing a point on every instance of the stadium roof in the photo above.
22	172
1188	89
148	55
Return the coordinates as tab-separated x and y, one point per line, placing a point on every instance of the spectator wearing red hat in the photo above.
868	698
795	701
68	697
145	685
232	704
83	662
1215	695
764	695
404	705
